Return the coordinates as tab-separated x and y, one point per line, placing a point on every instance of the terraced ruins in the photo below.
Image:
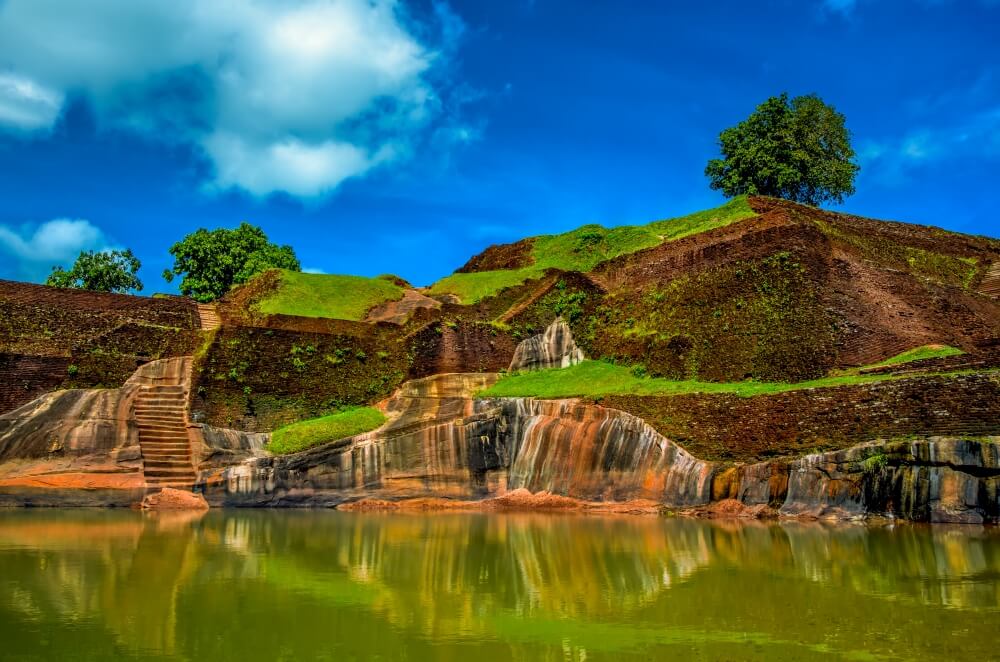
782	358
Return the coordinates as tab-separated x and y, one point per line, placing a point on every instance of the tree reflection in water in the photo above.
308	585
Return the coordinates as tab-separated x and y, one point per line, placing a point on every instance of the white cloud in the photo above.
313	270
26	105
32	251
977	136
293	96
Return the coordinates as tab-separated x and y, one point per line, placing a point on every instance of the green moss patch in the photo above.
328	295
918	354
597	378
586	247
307	434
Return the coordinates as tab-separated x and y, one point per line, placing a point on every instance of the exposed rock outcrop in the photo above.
171	499
442	446
553	349
80	438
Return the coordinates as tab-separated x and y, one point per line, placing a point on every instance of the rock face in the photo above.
553	349
82	448
77	439
442	443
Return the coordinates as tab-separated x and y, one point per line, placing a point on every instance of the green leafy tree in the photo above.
796	149
212	261
105	271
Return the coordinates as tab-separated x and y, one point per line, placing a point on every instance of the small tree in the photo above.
213	261
106	271
796	149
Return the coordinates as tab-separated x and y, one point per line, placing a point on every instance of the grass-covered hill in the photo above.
756	296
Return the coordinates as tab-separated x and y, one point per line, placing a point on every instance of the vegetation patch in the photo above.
918	354
598	378
957	271
586	247
326	295
307	434
745	319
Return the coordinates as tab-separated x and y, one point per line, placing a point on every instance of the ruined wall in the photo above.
460	346
24	378
257	379
725	427
53	338
443	445
35	319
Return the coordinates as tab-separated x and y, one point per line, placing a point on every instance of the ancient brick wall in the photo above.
460	346
35	319
24	378
725	427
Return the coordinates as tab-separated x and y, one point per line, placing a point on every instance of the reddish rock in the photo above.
171	499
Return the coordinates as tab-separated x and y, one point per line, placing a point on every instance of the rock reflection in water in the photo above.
304	585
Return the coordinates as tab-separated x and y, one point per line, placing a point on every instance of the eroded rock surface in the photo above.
553	349
80	438
443	447
172	499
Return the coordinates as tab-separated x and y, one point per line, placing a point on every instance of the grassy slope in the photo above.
917	354
597	378
586	247
306	434
324	295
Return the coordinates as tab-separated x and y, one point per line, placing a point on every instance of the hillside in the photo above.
758	289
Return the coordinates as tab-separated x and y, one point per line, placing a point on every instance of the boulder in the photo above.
553	349
170	499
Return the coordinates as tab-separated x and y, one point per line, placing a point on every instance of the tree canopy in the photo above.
105	271
798	149
212	261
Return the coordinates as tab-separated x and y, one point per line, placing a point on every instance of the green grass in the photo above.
306	434
917	354
586	247
327	295
598	378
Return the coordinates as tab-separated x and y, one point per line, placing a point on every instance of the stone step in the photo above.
157	481
167	439
159	442
164	444
160	402
172	389
167	463
150	432
169	472
160	406
167	453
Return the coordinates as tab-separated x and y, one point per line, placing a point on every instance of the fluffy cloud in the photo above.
977	136
292	96
25	105
30	252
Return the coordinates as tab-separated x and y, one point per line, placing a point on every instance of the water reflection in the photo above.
318	585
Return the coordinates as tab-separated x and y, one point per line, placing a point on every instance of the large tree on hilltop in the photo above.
798	149
104	271
212	261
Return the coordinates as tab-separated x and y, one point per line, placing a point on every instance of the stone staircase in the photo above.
208	315
161	416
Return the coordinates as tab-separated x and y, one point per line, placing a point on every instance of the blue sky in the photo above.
403	137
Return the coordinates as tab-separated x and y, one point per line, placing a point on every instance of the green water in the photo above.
104	585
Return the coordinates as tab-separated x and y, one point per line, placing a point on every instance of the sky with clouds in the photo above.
381	136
